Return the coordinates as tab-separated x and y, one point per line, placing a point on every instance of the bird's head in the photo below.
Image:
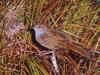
38	29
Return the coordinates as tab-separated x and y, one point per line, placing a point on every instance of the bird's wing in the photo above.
50	40
55	41
62	43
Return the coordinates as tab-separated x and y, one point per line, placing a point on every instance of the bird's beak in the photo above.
29	29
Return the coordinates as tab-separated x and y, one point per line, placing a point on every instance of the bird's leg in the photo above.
54	61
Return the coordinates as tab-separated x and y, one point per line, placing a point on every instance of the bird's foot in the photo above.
44	53
52	56
47	53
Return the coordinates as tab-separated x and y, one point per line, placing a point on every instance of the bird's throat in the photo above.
39	32
36	42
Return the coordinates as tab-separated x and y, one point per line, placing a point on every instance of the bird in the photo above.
49	39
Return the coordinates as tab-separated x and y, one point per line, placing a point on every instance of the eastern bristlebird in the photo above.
46	38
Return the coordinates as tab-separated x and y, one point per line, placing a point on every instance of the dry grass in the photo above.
78	19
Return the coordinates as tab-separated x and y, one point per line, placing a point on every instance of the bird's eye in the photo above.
39	26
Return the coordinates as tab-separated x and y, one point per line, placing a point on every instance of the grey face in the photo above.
39	29
38	26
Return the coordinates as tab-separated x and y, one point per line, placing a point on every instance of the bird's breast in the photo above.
47	41
39	33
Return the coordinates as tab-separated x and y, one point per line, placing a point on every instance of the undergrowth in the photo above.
79	19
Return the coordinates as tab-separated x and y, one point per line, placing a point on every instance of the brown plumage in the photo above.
51	39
